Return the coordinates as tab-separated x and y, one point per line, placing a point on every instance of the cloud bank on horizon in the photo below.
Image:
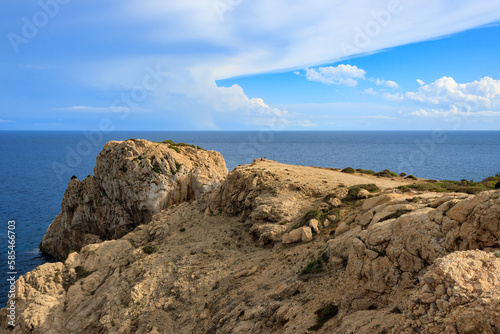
105	48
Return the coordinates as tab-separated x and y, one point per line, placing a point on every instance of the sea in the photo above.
36	167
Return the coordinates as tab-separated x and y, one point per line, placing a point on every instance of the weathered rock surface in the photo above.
267	192
133	180
391	263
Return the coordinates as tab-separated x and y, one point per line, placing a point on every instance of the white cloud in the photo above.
296	73
387	83
420	82
393	97
454	111
445	97
370	91
253	37
347	75
6	121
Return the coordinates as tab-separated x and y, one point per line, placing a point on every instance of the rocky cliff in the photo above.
284	249
133	180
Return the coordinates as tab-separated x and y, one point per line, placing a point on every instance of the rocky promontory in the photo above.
133	180
271	248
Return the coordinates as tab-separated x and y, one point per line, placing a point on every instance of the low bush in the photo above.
352	195
319	215
314	266
463	186
150	249
386	173
365	171
348	170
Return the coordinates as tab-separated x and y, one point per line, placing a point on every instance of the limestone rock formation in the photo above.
395	262
133	180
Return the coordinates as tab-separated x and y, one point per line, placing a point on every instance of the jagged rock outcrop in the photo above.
396	262
272	197
133	180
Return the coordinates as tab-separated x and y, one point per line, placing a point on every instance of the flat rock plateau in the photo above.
162	239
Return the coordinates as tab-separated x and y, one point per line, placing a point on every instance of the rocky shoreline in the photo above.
163	240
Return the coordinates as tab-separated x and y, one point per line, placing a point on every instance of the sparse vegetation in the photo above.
324	314
156	168
150	249
74	177
463	186
314	266
352	195
386	173
176	146
182	229
402	174
365	171
348	170
413	177
319	215
497	254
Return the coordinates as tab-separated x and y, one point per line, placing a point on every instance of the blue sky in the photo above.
245	65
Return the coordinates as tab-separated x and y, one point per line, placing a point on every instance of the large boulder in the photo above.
132	181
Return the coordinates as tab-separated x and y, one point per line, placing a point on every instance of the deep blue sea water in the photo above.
37	166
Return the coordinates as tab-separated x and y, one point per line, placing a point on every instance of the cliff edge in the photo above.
133	180
284	249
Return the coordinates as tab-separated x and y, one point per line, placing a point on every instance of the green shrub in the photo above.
349	170
314	266
182	229
352	195
156	168
464	186
386	173
150	249
365	171
319	215
413	177
402	174
74	177
324	314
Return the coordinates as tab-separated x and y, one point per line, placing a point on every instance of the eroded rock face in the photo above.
393	263
459	293
132	181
